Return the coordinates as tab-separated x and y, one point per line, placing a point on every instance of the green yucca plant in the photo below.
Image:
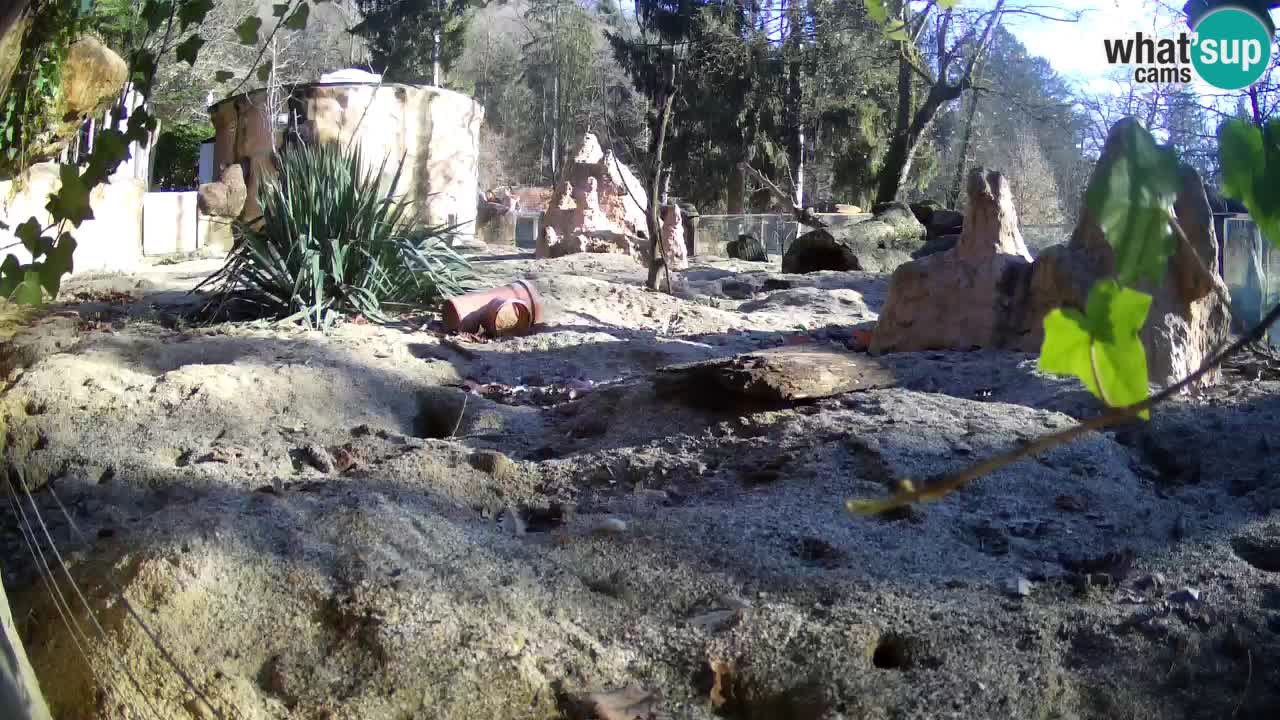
331	241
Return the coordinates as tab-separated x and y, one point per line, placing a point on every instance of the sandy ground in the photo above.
380	523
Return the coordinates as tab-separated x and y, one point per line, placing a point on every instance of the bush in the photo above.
177	156
332	241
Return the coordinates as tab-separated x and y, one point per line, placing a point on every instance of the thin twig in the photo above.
461	414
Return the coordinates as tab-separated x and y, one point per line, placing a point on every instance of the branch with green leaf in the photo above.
1131	196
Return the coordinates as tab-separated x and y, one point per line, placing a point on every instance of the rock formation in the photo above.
746	247
434	130
986	292
600	207
1191	309
952	299
673	244
92	76
224	198
877	244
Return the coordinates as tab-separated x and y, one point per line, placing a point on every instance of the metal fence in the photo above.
776	231
1251	271
1039	237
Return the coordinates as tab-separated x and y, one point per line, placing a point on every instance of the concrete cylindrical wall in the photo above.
437	131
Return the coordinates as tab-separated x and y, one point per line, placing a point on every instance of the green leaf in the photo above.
28	291
155	13
222	76
188	50
10	276
279	10
948	4
298	19
29	233
141	125
71	202
193	12
1250	158
898	34
877	11
1131	195
58	263
144	65
1101	347
264	71
247	30
109	150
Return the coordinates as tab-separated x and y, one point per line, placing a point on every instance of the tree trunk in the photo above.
735	204
435	59
898	158
653	218
794	105
15	19
897	162
953	194
20	697
555	125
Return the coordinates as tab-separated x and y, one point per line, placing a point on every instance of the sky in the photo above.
1075	49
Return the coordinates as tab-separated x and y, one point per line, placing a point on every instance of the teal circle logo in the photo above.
1232	48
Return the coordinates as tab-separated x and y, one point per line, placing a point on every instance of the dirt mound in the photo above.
387	523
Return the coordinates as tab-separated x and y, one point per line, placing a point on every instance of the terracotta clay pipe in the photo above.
468	313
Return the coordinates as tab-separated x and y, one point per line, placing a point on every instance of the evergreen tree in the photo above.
415	40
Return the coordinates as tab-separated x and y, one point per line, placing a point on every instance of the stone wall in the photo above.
436	131
112	240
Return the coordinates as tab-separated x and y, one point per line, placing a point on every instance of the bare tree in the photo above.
945	67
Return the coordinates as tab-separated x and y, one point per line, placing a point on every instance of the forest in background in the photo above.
808	92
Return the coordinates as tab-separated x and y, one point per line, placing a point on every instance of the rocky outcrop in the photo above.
225	198
986	292
952	299
746	247
942	227
436	132
92	76
1190	312
599	207
675	251
878	244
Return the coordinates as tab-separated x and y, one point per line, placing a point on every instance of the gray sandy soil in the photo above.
381	524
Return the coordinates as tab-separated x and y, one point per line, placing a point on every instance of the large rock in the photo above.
877	244
92	76
600	207
945	222
1190	312
951	299
986	293
675	250
225	198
